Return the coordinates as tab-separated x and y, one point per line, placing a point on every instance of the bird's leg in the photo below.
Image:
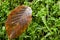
10	39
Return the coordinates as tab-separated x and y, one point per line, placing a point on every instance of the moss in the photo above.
45	23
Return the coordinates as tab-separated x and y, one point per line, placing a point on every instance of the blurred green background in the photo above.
45	23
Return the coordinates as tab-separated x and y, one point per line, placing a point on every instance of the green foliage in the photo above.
45	23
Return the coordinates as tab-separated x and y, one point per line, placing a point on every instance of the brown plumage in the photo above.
18	21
